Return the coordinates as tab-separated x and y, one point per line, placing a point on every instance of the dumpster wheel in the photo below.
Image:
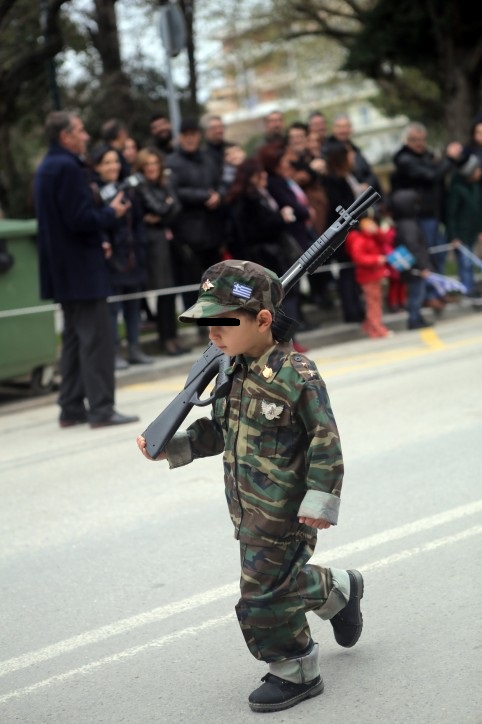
42	380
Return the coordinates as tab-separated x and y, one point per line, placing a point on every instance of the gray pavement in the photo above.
327	329
119	576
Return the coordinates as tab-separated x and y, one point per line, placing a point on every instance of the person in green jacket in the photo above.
283	471
464	217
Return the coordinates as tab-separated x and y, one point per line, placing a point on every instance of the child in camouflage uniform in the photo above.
283	471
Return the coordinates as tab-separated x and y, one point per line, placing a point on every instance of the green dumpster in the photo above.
28	344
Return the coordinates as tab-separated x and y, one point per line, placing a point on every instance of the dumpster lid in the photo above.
14	228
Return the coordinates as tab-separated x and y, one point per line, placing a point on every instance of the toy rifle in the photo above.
213	362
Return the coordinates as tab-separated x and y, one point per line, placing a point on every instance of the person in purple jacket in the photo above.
73	272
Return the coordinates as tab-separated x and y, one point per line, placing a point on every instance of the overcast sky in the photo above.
139	30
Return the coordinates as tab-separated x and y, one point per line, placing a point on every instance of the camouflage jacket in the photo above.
282	453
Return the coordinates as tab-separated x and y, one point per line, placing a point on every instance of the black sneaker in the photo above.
277	694
348	623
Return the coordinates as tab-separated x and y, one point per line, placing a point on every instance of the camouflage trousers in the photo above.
278	587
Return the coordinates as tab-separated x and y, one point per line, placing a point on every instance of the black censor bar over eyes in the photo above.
217	322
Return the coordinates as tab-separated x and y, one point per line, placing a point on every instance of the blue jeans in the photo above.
466	270
435	237
416	292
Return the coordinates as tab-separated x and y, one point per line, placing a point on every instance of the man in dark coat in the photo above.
214	142
417	168
199	229
73	272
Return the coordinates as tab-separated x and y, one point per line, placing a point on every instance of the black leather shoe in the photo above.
277	694
348	623
115	419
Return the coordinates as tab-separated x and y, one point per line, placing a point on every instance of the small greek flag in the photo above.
241	290
401	258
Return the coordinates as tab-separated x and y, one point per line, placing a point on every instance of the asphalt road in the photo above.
118	577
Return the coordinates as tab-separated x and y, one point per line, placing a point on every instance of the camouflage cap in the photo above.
233	284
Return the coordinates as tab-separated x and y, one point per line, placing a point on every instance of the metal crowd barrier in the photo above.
332	268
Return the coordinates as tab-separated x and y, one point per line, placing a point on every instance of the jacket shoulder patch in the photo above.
304	366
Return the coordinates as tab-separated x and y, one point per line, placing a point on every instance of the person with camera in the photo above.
127	259
199	229
73	272
160	206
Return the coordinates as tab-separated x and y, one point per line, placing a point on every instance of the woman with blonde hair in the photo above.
160	207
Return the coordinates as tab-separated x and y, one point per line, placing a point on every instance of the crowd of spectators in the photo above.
202	198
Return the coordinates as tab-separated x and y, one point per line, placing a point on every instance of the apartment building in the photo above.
255	73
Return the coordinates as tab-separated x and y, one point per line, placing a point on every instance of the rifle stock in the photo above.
213	362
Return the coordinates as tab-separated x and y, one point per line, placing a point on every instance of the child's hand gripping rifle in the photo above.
213	362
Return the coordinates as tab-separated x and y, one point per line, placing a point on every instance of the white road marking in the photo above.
126	654
231	589
210	623
424	548
409	529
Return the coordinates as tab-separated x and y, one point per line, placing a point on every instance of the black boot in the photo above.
348	623
277	694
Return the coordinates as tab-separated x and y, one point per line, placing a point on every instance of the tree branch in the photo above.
53	9
26	66
5	7
322	13
326	18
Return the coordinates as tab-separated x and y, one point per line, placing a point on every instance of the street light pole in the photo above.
173	35
172	101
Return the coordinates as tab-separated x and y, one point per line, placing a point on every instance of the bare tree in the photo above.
29	41
187	7
25	49
114	88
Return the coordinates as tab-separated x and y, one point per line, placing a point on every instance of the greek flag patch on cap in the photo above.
241	290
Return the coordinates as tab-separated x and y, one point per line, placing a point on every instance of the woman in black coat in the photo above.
127	259
159	207
341	189
259	227
257	222
276	160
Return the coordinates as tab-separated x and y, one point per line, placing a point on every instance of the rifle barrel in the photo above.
330	240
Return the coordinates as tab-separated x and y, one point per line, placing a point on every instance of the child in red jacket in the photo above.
367	247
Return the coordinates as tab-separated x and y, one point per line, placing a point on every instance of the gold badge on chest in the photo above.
267	372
